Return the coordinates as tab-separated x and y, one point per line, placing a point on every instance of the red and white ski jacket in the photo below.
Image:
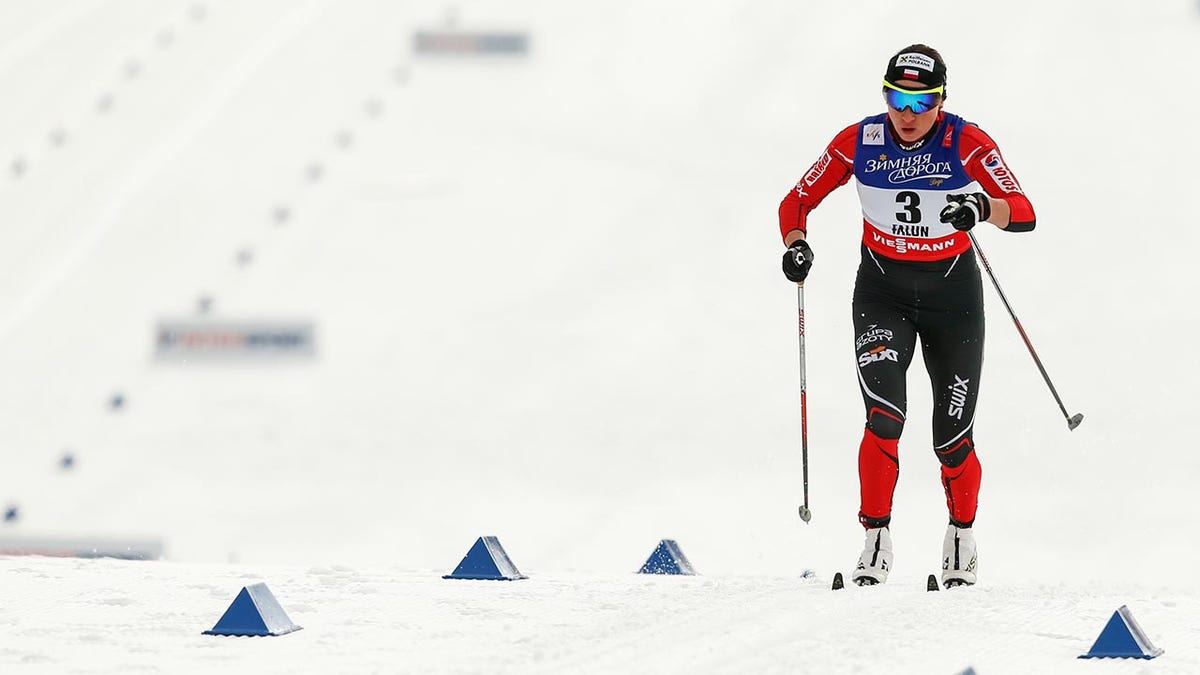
902	192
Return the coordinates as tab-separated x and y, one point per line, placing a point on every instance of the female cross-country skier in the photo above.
925	178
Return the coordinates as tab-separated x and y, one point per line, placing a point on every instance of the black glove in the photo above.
797	261
966	210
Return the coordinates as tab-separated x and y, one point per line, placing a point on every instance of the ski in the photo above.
931	583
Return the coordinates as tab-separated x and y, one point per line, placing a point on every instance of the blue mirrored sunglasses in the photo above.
919	101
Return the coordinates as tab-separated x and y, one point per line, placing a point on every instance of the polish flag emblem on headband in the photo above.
912	73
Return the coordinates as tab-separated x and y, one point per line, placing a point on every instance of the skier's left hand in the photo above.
966	210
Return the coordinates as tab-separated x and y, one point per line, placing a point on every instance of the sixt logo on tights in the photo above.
958	397
880	353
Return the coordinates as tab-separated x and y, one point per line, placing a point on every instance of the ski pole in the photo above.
805	513
1072	420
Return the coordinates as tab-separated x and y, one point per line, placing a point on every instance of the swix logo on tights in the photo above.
958	397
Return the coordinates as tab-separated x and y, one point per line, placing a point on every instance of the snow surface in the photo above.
549	309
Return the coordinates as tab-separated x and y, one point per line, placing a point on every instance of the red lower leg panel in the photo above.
878	468
962	489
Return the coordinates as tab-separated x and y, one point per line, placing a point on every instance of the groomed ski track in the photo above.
63	615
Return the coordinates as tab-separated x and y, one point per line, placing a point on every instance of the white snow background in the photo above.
549	308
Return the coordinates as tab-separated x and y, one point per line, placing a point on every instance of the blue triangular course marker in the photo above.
668	558
486	560
1122	638
254	611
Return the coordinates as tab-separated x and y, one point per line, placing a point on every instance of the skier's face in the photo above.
912	126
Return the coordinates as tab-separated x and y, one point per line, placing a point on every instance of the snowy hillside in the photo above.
548	307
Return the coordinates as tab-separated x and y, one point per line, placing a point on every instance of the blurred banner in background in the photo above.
454	42
184	339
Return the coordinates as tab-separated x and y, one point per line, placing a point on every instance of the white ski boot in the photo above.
876	559
958	557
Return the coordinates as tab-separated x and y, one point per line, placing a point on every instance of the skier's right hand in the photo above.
797	261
